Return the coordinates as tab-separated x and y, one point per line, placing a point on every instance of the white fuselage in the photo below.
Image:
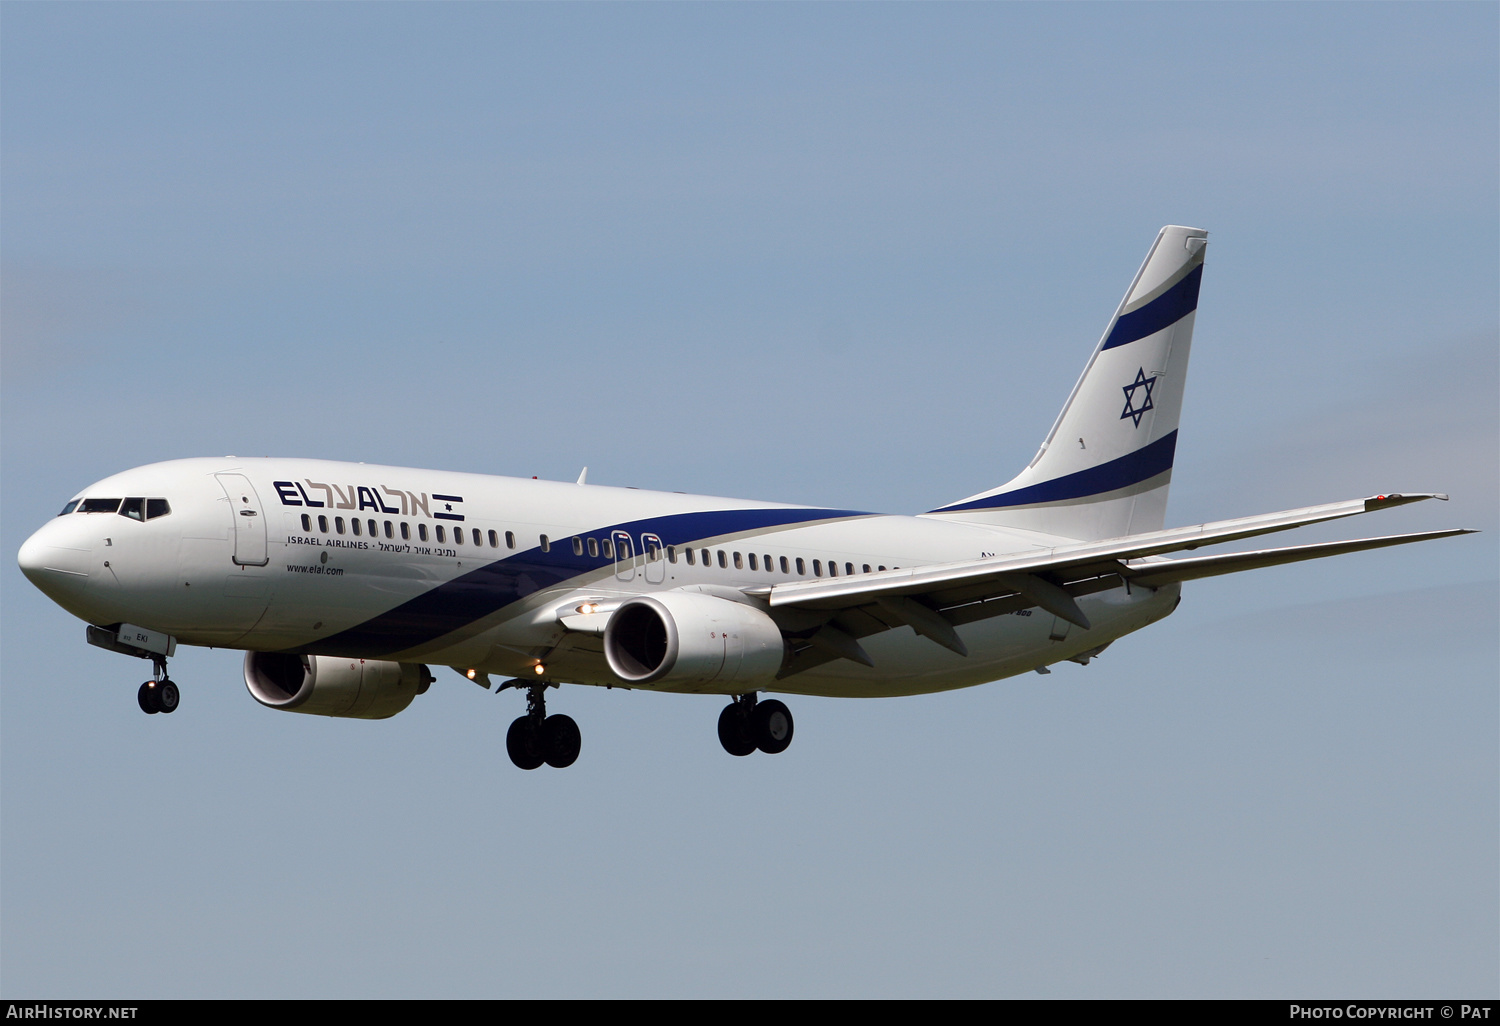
474	572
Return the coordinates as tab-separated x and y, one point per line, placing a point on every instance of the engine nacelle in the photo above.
369	689
686	638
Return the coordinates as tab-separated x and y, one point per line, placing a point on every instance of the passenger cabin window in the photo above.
867	568
458	535
322	523
338	524
494	540
442	535
689	554
545	544
817	567
801	567
510	540
421	532
389	530
706	560
849	569
354	525
99	506
608	548
70	507
752	562
594	547
135	509
672	553
723	563
306	522
405	531
833	569
374	528
770	569
784	566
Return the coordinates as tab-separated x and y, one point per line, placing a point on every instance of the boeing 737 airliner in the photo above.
344	582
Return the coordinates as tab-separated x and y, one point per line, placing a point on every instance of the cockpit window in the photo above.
99	506
157	508
135	509
70	507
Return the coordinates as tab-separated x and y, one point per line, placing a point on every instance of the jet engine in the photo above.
369	689
685	638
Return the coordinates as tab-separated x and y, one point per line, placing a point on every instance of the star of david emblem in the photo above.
1132	409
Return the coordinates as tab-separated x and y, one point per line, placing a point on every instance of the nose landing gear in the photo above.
537	738
746	725
159	694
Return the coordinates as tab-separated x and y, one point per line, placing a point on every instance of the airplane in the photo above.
344	582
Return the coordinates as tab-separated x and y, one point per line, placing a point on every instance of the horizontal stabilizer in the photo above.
1154	575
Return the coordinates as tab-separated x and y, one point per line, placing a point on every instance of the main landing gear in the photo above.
159	694
746	725
537	738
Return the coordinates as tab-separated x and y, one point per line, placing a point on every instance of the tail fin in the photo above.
1104	468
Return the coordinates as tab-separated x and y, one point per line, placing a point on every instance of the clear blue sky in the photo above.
851	255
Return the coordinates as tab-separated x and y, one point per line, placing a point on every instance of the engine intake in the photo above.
684	638
369	689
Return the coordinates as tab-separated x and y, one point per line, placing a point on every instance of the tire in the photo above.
523	744
773	727
146	696
167	696
561	741
734	730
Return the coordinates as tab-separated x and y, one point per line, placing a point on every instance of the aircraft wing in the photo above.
933	599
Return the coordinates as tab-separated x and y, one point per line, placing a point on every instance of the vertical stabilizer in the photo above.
1104	469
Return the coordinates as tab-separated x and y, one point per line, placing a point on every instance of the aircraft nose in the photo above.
54	560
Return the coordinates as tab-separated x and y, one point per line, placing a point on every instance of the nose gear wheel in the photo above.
158	696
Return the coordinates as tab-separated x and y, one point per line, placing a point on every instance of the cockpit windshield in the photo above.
136	508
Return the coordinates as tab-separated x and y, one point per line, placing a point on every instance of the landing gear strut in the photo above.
537	738
746	725
159	694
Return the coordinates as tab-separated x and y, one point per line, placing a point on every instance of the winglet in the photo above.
1392	499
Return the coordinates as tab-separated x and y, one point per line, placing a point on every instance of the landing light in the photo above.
472	674
589	607
540	669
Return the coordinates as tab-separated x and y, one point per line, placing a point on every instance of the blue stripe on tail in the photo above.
1162	312
1130	469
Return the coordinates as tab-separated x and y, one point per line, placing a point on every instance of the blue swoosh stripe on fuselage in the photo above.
1130	469
478	593
1163	311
